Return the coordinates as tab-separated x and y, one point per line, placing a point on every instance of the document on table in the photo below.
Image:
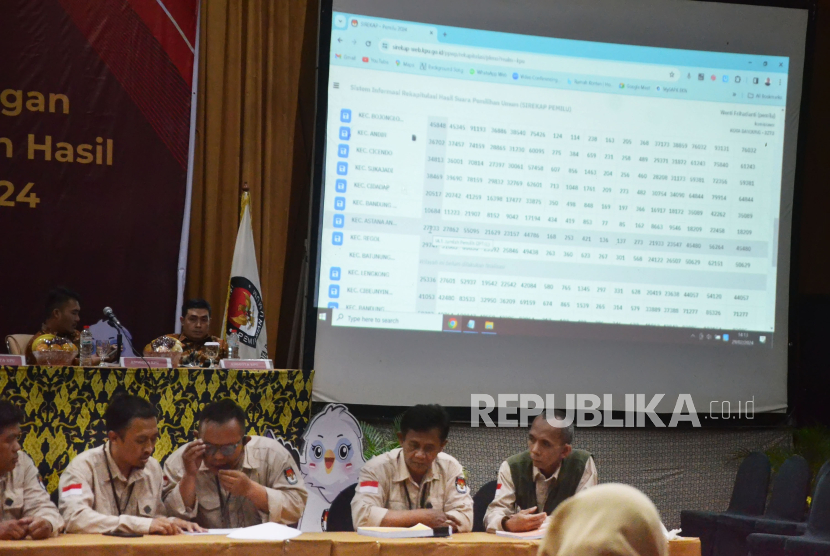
670	535
419	530
213	532
537	534
265	532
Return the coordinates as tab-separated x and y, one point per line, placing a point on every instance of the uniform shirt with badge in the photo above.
386	484
95	497
266	462
23	495
504	503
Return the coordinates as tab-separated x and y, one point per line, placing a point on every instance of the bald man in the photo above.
533	483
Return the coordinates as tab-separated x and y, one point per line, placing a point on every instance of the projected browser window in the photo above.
488	183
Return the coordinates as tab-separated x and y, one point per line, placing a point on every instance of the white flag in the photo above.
244	309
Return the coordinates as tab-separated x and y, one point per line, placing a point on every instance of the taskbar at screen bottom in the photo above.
476	325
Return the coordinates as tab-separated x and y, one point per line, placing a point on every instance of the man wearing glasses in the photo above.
195	321
225	479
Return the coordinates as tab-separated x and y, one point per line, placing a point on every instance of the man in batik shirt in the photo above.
195	334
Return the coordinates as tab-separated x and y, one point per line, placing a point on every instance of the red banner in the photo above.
95	116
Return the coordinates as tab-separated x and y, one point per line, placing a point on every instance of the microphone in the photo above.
113	320
108	312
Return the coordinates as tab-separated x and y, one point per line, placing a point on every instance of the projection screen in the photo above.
553	197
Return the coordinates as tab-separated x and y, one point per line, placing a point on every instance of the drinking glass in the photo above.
212	352
102	348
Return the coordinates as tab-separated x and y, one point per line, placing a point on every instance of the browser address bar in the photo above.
521	60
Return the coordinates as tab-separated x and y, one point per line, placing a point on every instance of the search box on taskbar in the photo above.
388	320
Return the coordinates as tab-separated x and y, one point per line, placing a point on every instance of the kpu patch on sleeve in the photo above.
461	484
290	476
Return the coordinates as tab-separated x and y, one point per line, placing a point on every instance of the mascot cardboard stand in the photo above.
330	460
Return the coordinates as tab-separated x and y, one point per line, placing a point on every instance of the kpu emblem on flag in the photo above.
246	312
369	487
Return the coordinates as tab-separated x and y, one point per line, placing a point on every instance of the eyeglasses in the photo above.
226	450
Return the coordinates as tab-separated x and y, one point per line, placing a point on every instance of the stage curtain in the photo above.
252	128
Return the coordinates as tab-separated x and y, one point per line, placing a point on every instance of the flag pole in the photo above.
246	200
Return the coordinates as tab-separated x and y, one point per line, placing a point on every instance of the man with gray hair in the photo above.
531	484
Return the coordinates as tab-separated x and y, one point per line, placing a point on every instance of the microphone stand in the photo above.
121	331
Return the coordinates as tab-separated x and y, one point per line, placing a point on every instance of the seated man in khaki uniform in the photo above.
416	483
225	479
25	508
531	484
195	334
117	487
61	318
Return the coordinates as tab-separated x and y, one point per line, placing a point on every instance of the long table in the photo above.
308	544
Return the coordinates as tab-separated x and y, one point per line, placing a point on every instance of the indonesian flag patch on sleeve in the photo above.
498	487
72	490
369	487
461	484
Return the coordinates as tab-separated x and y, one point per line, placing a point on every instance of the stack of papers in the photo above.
415	531
537	534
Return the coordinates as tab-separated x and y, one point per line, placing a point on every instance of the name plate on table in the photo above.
153	362
247	364
13	360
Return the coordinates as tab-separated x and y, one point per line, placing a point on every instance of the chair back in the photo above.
749	495
823	470
481	500
16	343
818	524
789	490
340	512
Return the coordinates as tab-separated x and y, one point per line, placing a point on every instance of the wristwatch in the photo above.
504	522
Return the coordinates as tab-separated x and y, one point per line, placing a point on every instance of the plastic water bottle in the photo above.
233	346
87	347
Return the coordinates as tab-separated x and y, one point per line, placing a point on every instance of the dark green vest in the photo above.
521	470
